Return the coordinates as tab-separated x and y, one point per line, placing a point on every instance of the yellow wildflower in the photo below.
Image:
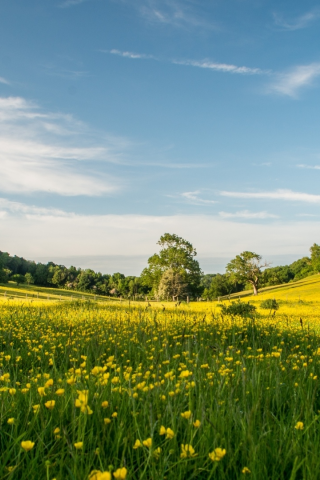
187	451
42	391
50	404
97	475
186	414
246	470
137	444
105	404
11	421
120	474
148	442
27	445
60	391
299	426
197	424
106	421
217	454
78	445
170	433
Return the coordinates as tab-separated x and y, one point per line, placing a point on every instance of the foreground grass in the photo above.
96	387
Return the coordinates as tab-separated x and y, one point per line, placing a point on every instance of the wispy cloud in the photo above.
207	64
18	207
288	195
221	67
4	81
297	23
40	152
306	215
173	13
194	199
312	167
71	3
129	54
291	82
247	214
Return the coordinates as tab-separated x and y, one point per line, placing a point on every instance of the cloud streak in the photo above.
297	23
132	55
194	199
172	13
247	214
292	82
206	64
221	67
71	3
311	167
287	195
4	81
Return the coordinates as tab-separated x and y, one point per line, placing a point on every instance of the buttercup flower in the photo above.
217	454
187	451
120	474
187	414
246	470
299	426
50	404
27	445
147	443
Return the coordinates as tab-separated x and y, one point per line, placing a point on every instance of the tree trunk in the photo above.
255	290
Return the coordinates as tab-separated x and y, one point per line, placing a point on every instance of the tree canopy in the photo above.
177	255
246	268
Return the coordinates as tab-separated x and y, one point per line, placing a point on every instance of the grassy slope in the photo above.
307	289
33	292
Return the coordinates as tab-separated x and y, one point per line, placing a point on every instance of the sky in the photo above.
122	120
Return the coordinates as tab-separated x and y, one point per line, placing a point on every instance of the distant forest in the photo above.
211	286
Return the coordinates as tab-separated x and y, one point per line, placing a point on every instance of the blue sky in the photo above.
121	120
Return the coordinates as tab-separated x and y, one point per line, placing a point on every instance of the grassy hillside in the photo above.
33	292
306	289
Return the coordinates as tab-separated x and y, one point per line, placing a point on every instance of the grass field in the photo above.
106	390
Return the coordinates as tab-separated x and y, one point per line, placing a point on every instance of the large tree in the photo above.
177	255
171	285
246	268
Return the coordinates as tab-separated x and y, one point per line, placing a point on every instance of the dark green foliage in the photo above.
315	257
270	304
221	285
238	308
178	255
18	278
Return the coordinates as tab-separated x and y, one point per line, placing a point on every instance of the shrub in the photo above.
238	308
270	304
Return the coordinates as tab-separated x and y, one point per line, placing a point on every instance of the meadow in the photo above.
101	390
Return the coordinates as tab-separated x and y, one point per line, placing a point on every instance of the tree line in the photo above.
172	274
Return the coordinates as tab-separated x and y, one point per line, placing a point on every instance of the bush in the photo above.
270	304
238	308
